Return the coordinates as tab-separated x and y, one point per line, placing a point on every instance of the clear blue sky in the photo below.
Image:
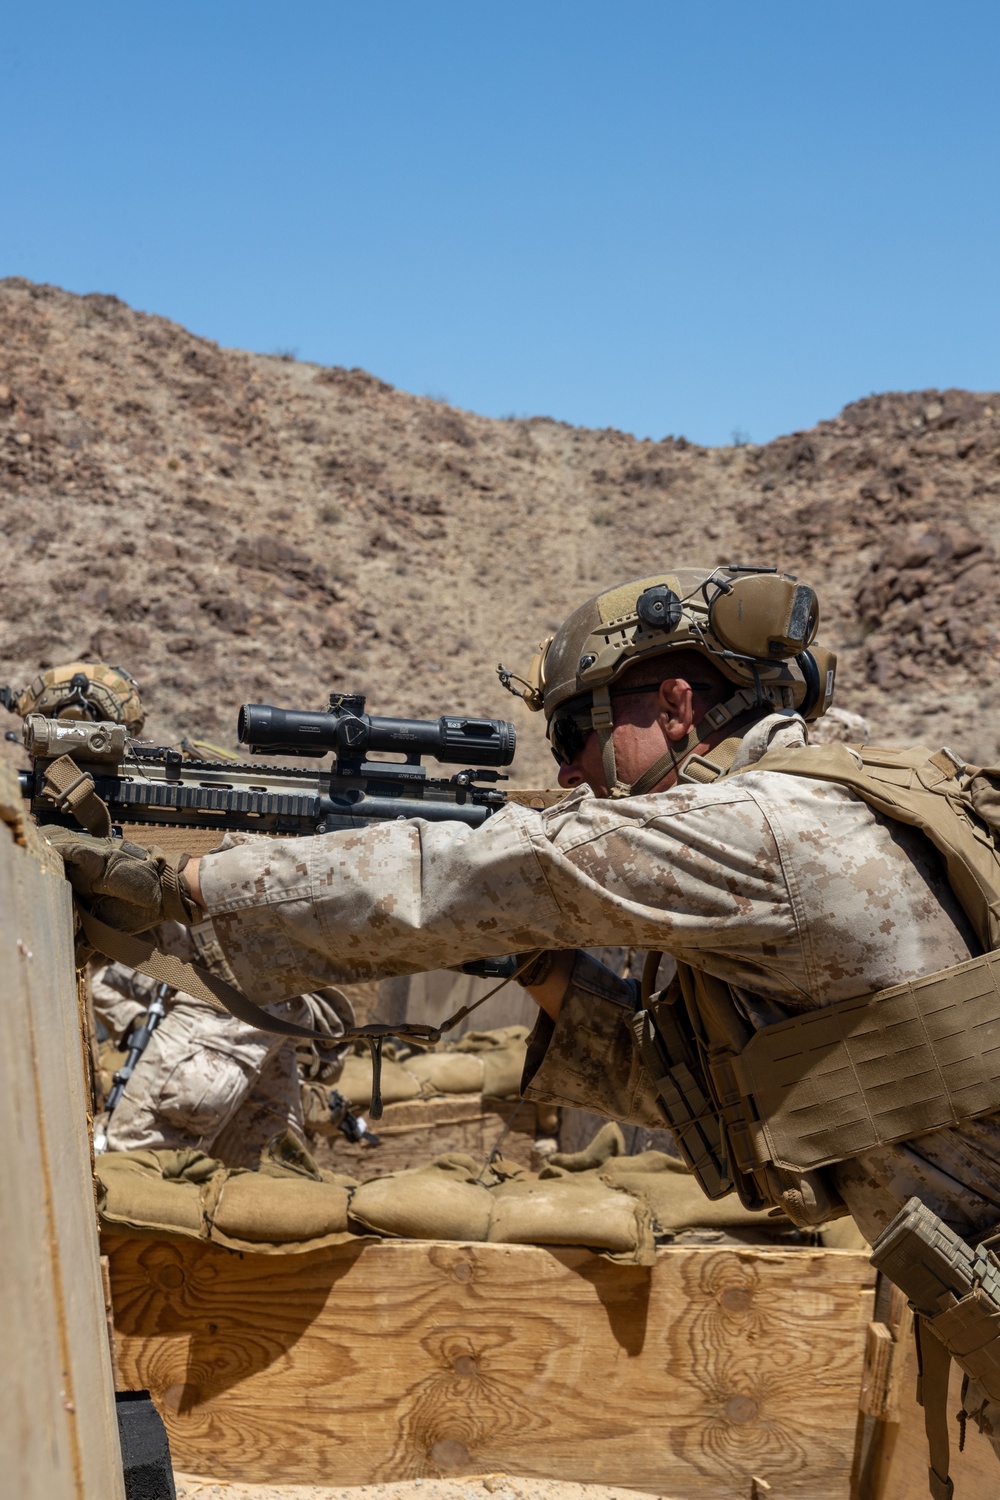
690	216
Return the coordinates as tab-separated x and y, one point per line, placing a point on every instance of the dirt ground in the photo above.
479	1487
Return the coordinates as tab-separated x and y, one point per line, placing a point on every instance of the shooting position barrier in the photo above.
376	1361
351	1353
706	1372
58	1430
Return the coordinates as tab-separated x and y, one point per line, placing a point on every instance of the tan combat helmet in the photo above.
755	625
83	690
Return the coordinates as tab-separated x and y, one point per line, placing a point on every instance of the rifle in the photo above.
80	767
350	1122
146	786
138	1042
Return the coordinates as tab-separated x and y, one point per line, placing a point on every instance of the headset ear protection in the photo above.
819	672
773	618
756	623
765	616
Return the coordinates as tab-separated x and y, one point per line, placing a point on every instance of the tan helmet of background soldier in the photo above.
756	626
84	690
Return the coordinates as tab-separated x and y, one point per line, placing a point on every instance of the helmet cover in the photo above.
84	690
755	626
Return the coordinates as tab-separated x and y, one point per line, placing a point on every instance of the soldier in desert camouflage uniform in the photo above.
797	894
794	892
785	892
205	1079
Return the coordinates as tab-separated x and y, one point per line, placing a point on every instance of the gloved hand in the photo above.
122	884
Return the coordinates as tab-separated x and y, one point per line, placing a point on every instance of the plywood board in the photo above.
58	1433
388	1360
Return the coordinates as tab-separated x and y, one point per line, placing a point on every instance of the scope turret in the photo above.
352	734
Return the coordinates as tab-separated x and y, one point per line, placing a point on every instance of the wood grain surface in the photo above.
389	1360
58	1433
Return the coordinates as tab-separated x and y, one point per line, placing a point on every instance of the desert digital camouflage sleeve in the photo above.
795	892
120	995
588	1058
694	869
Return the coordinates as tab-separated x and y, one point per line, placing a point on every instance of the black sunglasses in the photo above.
569	730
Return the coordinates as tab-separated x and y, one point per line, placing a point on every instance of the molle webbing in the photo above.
832	1083
673	1064
954	1288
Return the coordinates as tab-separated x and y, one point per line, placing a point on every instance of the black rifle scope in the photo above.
348	731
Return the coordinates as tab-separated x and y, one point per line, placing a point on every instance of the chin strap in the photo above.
682	758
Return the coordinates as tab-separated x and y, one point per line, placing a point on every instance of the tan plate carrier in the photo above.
831	1083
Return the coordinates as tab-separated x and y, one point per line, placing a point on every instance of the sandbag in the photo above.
491	1041
154	1190
355	1082
277	1210
673	1196
443	1201
608	1142
502	1070
843	1234
678	1203
503	1051
619	1169
481	1062
663	1183
264	1210
447	1072
572	1210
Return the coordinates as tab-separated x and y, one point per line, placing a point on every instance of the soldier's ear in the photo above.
675	705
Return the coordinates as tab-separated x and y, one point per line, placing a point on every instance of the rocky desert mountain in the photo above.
240	527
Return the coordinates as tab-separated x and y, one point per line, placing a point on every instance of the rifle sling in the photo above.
934	1365
137	951
71	790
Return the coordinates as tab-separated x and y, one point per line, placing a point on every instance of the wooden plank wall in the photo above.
378	1361
58	1432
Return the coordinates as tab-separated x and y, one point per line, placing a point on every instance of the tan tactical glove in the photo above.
122	884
